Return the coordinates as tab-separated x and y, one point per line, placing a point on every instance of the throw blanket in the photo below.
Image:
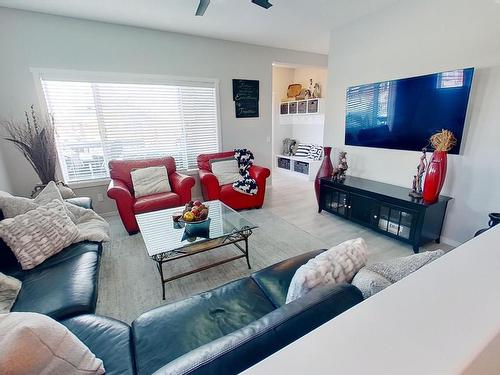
91	227
245	185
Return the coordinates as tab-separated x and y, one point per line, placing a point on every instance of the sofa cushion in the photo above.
165	333
274	280
243	348
66	289
156	202
109	339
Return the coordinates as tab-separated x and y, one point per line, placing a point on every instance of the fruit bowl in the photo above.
194	212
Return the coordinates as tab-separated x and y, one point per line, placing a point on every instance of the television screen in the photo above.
403	114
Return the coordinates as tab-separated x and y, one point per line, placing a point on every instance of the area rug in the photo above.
129	283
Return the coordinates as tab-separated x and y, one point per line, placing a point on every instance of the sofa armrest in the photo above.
124	199
182	185
259	173
245	347
209	185
117	190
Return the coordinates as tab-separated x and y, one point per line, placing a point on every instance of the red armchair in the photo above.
121	190
212	190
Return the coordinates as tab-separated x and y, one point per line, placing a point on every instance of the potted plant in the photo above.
35	138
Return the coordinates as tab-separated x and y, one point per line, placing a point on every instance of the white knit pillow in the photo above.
150	180
36	344
38	234
334	266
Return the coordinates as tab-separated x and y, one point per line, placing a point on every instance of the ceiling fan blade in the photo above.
263	3
202	7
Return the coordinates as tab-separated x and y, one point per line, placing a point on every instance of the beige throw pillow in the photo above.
38	234
151	180
334	266
36	344
9	289
12	206
226	171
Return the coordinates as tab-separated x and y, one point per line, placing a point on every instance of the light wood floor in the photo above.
289	225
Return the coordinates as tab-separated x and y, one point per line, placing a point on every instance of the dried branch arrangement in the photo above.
443	141
35	138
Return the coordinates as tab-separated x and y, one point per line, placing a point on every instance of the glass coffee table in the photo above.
167	240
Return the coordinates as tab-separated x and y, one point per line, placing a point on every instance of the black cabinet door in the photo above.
363	209
334	201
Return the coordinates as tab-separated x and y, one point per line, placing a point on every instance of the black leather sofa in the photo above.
222	331
64	285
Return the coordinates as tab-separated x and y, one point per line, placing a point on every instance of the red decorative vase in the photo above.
435	176
326	169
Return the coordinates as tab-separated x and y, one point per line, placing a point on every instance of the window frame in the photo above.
124	78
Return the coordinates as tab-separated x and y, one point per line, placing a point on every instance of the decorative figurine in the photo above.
317	91
418	179
288	147
339	173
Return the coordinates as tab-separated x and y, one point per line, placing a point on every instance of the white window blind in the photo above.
97	122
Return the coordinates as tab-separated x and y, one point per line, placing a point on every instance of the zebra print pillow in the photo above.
303	150
315	152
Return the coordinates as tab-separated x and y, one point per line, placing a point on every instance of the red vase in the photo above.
326	169
435	176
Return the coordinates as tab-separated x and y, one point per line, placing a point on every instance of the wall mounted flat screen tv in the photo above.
404	113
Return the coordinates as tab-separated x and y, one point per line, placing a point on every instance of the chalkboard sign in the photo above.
246	98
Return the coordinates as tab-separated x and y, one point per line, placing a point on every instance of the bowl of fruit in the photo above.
194	212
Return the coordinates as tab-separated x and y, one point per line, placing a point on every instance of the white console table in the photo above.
305	167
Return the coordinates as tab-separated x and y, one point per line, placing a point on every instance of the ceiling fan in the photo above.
202	7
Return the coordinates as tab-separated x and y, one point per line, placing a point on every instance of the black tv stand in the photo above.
385	208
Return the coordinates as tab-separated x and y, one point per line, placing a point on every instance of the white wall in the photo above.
42	41
310	130
282	77
419	37
4	178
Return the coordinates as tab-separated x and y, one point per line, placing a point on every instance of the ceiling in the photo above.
302	25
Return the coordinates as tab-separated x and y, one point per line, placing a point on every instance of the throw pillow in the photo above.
33	343
12	206
38	234
226	171
369	282
9	289
378	276
334	266
151	180
315	152
302	150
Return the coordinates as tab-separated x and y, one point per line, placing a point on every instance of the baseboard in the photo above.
449	241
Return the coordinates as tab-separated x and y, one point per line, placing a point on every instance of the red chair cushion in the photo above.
120	169
156	202
237	200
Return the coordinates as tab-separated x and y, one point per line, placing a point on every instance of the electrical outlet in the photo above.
100	197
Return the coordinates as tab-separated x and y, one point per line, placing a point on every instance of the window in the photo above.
98	121
454	78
